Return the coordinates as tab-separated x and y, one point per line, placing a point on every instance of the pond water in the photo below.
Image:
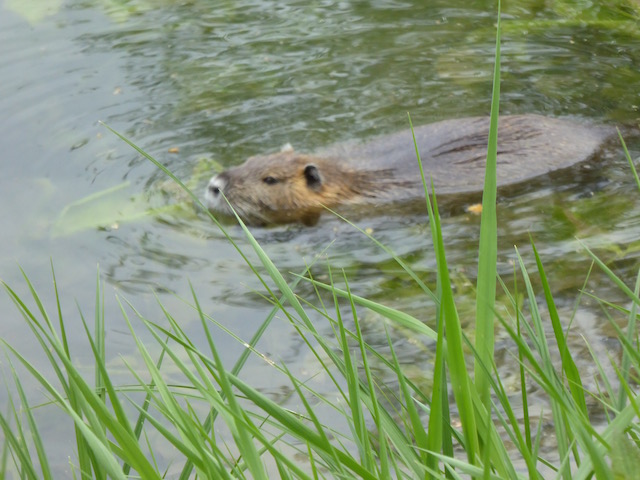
197	85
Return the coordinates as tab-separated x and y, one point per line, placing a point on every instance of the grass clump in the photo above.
221	427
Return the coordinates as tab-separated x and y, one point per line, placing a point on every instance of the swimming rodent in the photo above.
289	186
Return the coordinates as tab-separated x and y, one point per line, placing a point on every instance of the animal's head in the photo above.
283	187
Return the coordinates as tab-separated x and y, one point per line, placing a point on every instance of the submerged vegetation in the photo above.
466	425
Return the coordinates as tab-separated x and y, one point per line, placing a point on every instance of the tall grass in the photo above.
221	427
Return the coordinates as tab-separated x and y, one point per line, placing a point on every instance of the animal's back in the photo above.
295	187
453	152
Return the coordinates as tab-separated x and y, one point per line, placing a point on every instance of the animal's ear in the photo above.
311	173
287	147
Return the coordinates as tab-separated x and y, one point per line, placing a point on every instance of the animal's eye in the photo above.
270	180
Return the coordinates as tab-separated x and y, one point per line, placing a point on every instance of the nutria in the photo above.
289	186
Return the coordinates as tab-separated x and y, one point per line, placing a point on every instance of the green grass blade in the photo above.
625	363
488	249
402	319
108	390
415	422
629	159
137	430
358	425
568	365
544	365
289	422
195	199
487	430
86	458
168	402
392	254
440	432
295	426
439	420
523	439
183	447
460	381
243	439
46	335
83	400
16	445
375	411
35	435
235	418
319	428
4	458
99	332
614	278
101	457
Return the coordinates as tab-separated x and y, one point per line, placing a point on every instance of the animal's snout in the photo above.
215	188
216	185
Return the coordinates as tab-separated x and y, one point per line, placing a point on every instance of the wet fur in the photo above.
289	186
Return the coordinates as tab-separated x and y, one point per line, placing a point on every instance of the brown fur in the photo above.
289	186
292	198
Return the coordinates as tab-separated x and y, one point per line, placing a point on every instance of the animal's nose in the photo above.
216	185
213	193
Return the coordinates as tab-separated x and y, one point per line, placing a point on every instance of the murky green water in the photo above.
225	81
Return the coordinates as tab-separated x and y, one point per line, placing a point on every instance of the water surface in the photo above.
222	83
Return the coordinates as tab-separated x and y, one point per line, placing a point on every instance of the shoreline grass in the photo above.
465	427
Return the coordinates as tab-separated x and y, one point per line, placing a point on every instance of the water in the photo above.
220	84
